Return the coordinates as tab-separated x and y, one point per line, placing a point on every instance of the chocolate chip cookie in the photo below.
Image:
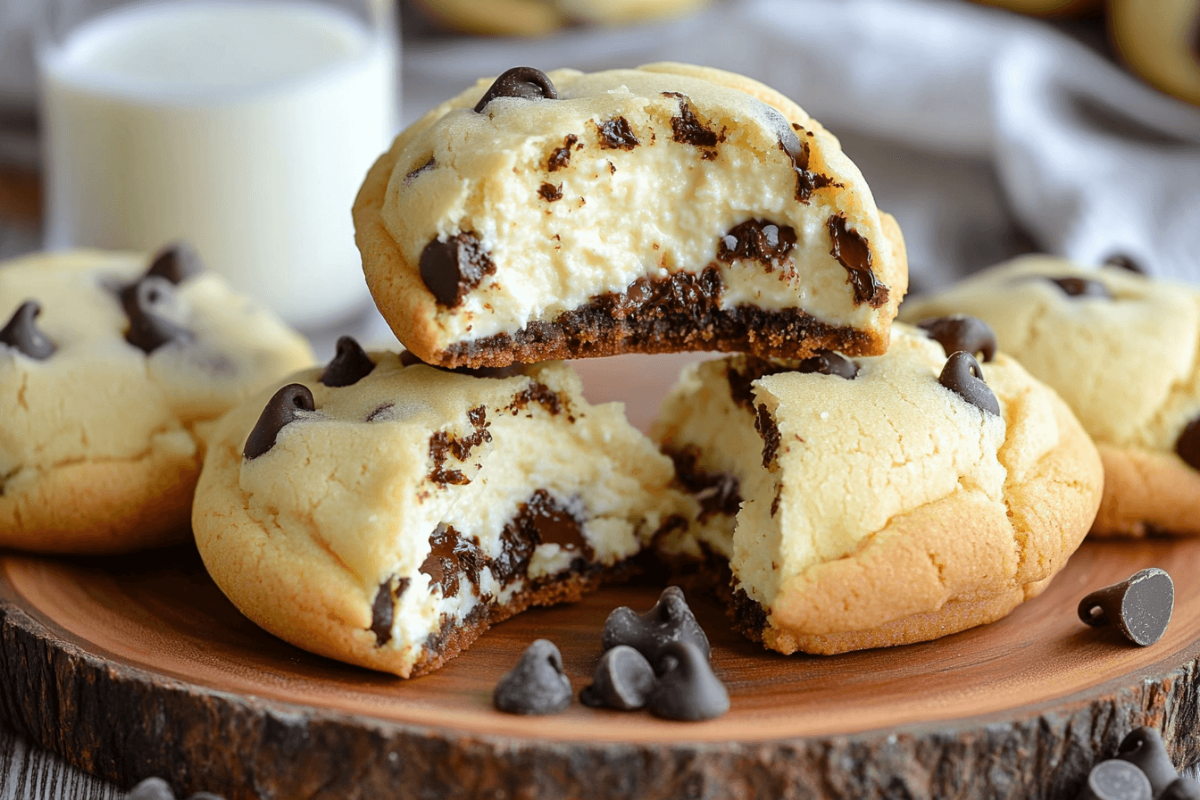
383	512
1123	350
659	209
110	364
872	501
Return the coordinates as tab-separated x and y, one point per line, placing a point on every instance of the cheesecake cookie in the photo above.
874	501
1123	350
383	512
541	17
1160	41
109	362
659	209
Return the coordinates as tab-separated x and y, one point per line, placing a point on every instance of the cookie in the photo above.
110	364
659	209
1047	8
1160	41
541	17
1123	350
385	515
876	501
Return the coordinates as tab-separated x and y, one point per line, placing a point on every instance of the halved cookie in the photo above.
879	501
659	209
1123	350
386	515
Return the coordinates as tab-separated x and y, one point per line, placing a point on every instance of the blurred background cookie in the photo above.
1160	41
532	18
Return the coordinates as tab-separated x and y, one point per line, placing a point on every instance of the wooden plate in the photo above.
139	666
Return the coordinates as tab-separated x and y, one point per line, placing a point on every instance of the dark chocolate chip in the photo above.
526	83
23	334
854	253
349	365
561	157
687	689
454	267
687	129
1188	444
549	192
151	789
1082	287
536	685
827	362
670	620
623	680
284	407
1140	606
1124	262
451	557
148	305
1181	789
759	240
384	608
1144	748
442	443
176	262
615	134
769	431
960	332
419	171
807	182
1116	780
963	376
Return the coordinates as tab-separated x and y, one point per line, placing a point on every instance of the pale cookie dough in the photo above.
106	372
1123	350
1160	41
659	209
392	519
879	509
1047	8
541	17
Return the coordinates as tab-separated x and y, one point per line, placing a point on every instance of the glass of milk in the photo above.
242	126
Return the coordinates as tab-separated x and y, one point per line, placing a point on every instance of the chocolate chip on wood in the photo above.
687	689
536	685
623	680
1144	748
1116	780
670	620
1140	606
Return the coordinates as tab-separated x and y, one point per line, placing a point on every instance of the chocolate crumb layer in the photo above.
748	616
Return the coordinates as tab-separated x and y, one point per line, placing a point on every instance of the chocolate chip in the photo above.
615	134
769	431
384	608
827	362
419	171
623	680
718	493
176	262
963	376
23	334
852	252
148	304
687	689
285	406
561	157
526	83
349	366
536	685
670	620
151	789
1124	262
454	267
687	129
452	556
1181	789
1140	606
1082	287
758	240
1144	748
961	333
549	192
1116	780
1188	444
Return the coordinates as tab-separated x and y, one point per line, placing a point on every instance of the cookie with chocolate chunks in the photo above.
661	209
957	498
1122	349
111	367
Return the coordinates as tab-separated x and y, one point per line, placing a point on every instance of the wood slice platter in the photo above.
138	666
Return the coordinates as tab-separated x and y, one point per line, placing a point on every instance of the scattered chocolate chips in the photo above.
1188	444
1139	606
285	406
549	192
1082	287
757	240
615	134
23	334
623	680
963	376
384	608
454	267
961	333
451	556
687	129
526	83
349	365
419	171
670	620
829	362
854	253
561	157
765	425
1123	261
1144	748
687	689
1115	779
536	685
148	304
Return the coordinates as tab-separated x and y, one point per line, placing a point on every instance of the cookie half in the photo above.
659	209
386	515
867	502
1123	350
109	365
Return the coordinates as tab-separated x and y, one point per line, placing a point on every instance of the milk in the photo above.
243	127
